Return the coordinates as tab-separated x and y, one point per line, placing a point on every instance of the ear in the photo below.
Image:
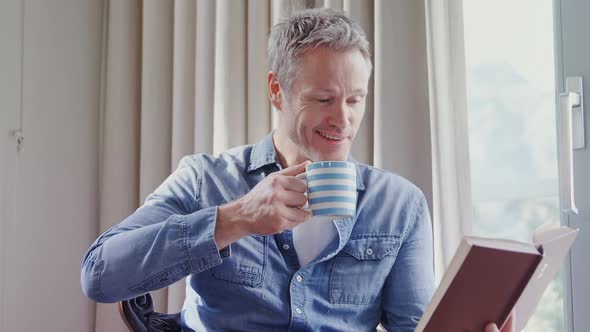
275	92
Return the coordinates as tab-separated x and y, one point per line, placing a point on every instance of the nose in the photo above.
339	115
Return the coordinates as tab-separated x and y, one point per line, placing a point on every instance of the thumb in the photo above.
491	327
294	169
510	326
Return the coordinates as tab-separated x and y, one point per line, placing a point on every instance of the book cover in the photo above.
487	278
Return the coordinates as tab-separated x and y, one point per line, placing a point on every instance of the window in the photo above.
509	53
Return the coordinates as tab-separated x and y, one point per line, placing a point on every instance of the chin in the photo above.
329	157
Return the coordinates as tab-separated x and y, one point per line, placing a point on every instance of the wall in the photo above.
49	191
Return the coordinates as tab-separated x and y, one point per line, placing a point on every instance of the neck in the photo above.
283	146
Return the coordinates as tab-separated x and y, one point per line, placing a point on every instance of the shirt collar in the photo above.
264	153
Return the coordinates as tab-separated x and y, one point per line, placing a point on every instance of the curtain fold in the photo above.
362	147
183	105
336	4
189	76
402	129
258	107
183	80
230	75
204	76
120	129
448	116
156	105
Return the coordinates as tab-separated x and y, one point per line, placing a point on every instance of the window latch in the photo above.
18	135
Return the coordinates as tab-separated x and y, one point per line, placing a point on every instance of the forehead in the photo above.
329	68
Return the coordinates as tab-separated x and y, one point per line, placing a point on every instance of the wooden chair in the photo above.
139	316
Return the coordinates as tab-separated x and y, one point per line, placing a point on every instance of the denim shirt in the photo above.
379	269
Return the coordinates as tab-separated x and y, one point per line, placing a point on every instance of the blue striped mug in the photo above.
331	188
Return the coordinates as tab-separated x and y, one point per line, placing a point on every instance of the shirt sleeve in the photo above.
410	284
166	239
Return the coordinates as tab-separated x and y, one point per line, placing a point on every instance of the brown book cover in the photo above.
487	278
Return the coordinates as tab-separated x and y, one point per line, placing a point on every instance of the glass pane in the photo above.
512	129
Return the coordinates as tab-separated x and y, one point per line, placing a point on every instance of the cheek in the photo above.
356	118
306	127
312	124
308	119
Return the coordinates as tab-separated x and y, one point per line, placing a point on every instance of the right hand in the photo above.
510	325
271	207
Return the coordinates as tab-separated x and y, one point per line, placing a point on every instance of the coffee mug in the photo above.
331	188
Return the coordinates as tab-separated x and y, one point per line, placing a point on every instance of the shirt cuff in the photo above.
200	240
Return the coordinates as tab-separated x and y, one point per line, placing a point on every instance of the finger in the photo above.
295	215
510	325
293	184
491	327
294	169
292	198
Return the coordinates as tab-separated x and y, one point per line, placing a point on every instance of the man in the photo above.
225	222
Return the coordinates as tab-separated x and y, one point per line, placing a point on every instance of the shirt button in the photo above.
286	246
297	310
298	278
369	251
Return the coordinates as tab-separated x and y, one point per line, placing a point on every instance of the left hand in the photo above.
508	327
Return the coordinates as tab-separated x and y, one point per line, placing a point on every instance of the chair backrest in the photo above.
139	316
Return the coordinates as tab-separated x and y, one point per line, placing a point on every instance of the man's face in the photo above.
320	117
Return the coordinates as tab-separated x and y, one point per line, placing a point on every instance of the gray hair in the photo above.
311	28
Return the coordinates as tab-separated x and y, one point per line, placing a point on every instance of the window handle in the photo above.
571	136
18	136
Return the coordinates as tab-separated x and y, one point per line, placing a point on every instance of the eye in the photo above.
354	101
324	100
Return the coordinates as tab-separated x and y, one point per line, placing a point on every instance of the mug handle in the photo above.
303	177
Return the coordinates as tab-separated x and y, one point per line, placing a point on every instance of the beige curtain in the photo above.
188	76
452	208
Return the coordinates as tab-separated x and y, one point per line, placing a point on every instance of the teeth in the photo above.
335	138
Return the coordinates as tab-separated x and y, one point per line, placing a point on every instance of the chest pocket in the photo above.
361	267
246	264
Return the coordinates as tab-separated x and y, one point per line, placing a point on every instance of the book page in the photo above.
548	232
554	243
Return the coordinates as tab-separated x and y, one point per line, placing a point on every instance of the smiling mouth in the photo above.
330	137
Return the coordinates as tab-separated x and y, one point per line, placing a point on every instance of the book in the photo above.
488	278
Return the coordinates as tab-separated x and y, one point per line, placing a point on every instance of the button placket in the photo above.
286	249
297	291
